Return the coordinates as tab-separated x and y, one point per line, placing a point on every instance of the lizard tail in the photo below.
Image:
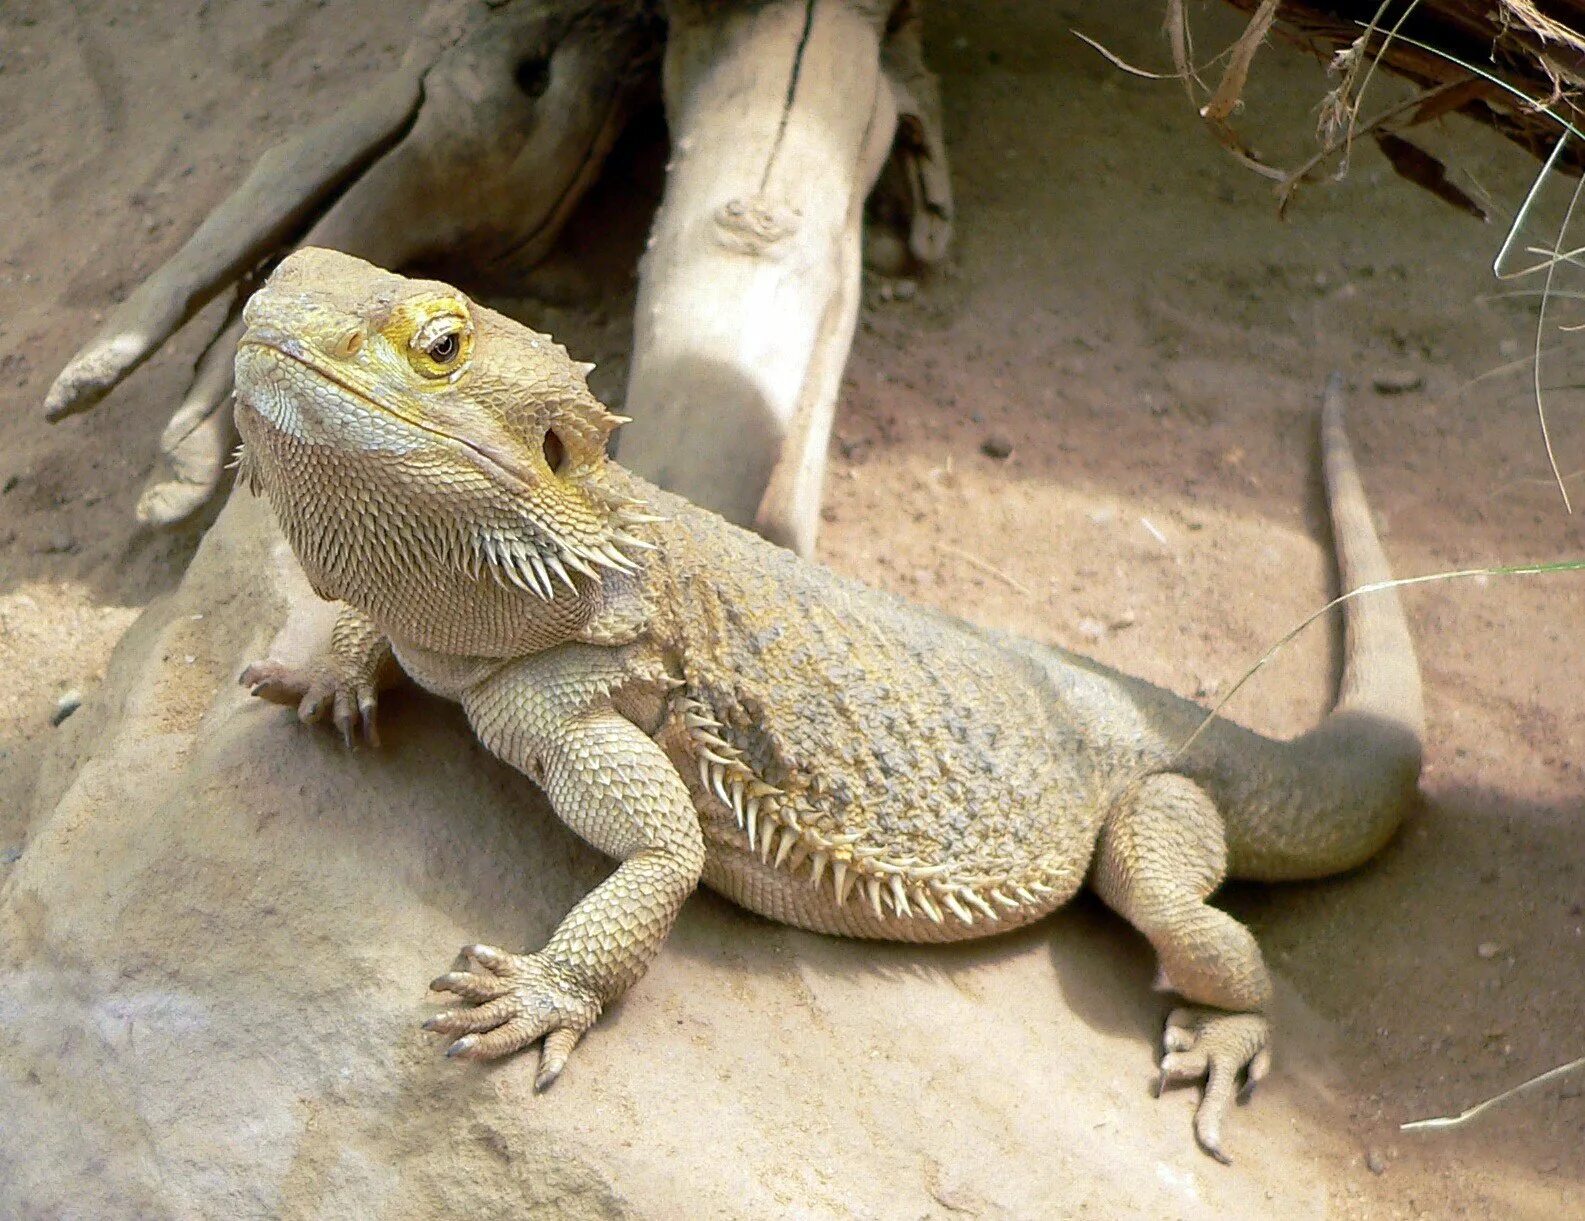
1342	788
1381	677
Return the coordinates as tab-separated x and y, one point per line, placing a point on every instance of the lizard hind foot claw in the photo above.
518	999
1220	1049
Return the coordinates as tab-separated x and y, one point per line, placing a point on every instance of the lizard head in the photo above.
363	395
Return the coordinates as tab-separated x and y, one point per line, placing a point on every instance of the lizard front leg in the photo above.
552	716
345	680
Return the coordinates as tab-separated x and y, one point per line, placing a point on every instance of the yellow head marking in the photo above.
435	333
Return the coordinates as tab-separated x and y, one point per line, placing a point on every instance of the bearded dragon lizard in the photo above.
701	705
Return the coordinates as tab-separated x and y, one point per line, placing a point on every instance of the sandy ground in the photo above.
1126	314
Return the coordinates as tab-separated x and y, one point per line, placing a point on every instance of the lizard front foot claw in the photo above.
1216	1047
318	690
518	998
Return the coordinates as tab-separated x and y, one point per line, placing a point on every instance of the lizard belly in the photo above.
442	674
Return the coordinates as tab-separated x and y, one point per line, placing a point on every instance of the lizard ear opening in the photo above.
554	450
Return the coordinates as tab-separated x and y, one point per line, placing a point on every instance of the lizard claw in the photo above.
522	998
315	692
1218	1048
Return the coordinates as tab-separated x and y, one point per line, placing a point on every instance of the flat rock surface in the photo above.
216	927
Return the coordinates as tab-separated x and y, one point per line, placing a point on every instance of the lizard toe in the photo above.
1226	1051
272	681
470	986
479	1018
553	1055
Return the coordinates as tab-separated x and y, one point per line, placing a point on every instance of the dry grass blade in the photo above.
1464	1116
1295	178
1342	113
990	570
1540	330
1509	570
1182	43
1546	27
1553	257
1118	61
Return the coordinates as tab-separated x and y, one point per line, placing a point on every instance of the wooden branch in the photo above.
780	120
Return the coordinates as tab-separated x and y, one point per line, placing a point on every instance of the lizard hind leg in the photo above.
1162	853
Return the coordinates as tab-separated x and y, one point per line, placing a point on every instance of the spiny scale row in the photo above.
901	884
530	564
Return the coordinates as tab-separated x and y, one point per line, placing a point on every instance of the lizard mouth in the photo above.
495	460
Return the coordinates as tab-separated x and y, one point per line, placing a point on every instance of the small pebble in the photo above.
904	290
1397	381
1127	619
60	543
997	446
1375	1162
1488	949
68	703
10	856
1091	629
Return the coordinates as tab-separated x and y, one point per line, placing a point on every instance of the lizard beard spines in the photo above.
786	839
533	561
247	469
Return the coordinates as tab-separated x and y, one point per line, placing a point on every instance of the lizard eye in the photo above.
441	345
443	350
555	452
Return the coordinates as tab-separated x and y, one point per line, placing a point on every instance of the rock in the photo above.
68	703
1488	949
218	937
59	543
997	446
1375	1162
1397	381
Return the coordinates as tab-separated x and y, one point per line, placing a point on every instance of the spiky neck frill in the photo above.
448	560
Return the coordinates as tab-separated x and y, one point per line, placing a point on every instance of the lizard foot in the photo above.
1216	1047
317	690
518	998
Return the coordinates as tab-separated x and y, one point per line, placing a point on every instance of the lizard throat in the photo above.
506	542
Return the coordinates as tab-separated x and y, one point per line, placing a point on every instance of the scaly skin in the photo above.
700	704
